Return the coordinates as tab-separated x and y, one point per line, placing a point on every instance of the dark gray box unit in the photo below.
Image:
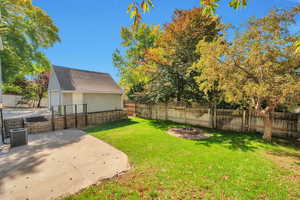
18	137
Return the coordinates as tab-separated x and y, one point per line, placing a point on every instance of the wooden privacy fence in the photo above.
284	125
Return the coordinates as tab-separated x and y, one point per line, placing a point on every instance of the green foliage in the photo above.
132	68
179	41
135	7
36	89
209	9
12	89
29	95
17	87
258	68
225	166
156	65
25	29
297	45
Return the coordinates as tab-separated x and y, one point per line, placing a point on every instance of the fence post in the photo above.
185	121
76	120
59	110
298	124
249	120
209	118
157	111
2	125
150	109
65	116
166	113
211	115
86	114
244	126
52	118
215	117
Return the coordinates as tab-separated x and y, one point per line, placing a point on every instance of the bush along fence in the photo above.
285	125
64	117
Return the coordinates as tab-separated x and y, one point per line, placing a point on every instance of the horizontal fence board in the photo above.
284	124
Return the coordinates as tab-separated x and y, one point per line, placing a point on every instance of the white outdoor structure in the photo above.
69	86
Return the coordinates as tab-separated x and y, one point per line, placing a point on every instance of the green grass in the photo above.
225	166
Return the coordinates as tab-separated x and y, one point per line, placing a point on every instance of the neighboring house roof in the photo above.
85	81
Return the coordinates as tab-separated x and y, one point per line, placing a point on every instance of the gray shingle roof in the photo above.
86	81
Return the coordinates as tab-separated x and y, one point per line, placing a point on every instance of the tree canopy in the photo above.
25	29
133	71
155	68
137	6
257	69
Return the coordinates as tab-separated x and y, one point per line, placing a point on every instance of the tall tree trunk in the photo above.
268	123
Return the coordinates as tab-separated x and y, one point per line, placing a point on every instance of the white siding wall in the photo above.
67	99
102	102
54	94
53	82
78	99
54	99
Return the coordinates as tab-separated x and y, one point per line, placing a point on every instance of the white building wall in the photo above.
78	99
54	98
67	99
53	82
102	102
11	100
54	91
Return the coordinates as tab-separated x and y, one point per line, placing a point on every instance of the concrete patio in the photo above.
56	164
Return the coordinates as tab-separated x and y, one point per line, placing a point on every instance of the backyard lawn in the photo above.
224	166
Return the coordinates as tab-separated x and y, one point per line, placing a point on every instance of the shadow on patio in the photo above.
25	160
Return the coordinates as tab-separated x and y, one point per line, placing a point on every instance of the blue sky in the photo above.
89	30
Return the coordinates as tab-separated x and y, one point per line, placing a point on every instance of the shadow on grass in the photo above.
111	125
163	125
233	141
294	155
228	139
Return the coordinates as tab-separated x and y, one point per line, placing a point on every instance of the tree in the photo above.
156	65
42	82
258	68
210	6
133	70
176	53
137	6
17	87
35	90
25	29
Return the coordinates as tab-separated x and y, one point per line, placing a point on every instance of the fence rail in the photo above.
284	125
72	114
63	117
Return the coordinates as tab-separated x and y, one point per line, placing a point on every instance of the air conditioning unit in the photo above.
18	137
